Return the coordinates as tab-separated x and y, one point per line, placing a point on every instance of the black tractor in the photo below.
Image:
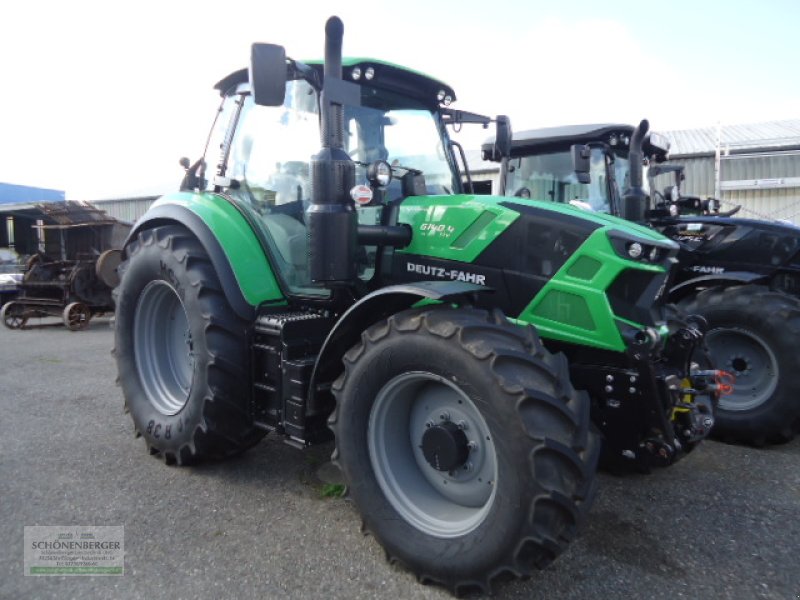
741	275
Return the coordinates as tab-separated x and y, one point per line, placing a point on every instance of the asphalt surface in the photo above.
723	523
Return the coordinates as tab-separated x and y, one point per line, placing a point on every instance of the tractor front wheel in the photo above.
181	351
464	445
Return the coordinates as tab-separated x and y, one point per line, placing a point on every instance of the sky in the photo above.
102	98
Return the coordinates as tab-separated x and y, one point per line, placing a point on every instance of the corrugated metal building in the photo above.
758	166
126	209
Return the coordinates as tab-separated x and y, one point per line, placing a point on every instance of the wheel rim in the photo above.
751	360
163	347
444	504
77	316
13	317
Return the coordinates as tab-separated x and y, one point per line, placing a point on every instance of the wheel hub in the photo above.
739	364
744	353
445	446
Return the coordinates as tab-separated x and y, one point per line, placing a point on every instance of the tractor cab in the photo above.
546	164
394	144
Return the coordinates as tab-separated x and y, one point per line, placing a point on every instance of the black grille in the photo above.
637	296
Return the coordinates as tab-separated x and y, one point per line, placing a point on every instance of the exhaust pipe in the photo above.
331	218
634	200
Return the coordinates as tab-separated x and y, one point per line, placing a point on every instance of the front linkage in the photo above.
671	398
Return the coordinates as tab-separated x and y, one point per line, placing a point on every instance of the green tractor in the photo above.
355	291
741	275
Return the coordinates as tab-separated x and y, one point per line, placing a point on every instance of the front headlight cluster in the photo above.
638	251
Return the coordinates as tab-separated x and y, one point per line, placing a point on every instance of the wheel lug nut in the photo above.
472	446
429	424
468	466
445	416
462	425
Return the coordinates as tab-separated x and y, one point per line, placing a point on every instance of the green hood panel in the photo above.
241	246
573	306
460	227
454	227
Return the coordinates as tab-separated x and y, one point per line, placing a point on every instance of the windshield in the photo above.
396	129
551	177
622	174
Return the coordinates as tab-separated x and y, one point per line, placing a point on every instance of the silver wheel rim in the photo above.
163	347
439	503
751	360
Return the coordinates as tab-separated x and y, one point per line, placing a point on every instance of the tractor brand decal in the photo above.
442	273
437	229
707	270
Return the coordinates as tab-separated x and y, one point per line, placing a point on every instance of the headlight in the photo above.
356	73
635	250
379	173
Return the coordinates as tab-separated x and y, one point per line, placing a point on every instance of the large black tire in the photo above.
753	333
529	478
181	351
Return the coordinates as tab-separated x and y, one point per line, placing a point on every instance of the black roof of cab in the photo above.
388	76
557	138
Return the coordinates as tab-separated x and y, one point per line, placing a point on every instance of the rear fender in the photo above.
685	288
236	254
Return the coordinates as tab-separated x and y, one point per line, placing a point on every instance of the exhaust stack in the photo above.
331	218
634	200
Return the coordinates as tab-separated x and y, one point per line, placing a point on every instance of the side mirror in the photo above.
268	74
581	162
502	143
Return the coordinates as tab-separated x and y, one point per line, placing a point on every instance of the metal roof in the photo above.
13	193
60	215
770	135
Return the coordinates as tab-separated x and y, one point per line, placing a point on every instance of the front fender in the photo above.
375	307
684	288
236	254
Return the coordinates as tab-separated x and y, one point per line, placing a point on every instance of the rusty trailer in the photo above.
73	271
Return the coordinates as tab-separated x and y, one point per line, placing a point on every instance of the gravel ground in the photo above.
724	523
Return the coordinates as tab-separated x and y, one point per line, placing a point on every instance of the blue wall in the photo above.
10	193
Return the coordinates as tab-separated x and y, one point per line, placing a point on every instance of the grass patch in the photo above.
332	490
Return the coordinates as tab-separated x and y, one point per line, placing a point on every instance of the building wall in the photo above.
126	209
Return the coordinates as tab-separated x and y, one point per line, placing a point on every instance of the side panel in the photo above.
574	305
250	268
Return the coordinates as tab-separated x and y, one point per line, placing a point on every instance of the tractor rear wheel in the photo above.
181	351
464	445
752	333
